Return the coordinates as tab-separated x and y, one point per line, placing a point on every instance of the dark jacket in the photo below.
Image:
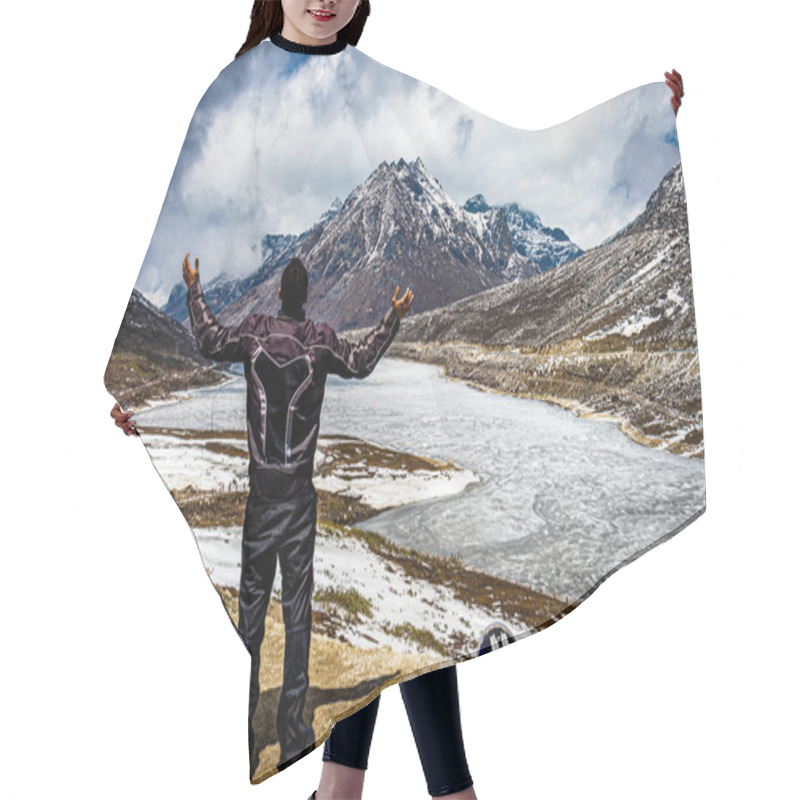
286	361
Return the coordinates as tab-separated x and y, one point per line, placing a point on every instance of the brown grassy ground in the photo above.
343	679
137	380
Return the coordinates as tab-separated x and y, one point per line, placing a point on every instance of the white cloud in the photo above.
278	136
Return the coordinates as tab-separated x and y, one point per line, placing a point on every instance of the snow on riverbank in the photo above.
409	614
368	592
209	462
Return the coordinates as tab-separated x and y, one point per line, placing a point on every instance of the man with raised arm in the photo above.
287	359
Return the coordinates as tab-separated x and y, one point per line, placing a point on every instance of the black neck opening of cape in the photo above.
310	49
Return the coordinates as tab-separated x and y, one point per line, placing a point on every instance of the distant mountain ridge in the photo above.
636	284
398	225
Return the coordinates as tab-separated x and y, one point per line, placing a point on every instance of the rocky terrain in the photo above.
155	357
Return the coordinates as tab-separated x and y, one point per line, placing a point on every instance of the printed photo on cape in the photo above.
532	424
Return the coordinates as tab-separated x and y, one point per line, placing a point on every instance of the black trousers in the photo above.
285	530
431	701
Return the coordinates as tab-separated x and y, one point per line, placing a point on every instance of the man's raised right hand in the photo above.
401	306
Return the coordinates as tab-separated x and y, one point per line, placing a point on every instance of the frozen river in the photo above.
561	501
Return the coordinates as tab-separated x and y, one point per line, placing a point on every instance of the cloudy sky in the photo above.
279	135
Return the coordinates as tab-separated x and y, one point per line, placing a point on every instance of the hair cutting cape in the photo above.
480	465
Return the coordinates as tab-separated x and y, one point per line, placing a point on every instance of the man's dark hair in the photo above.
294	286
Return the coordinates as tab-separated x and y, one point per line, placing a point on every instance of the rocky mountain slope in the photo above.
398	226
611	332
153	356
